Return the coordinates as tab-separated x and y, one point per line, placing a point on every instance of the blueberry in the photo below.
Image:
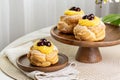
40	44
77	9
43	40
91	18
48	43
91	15
85	17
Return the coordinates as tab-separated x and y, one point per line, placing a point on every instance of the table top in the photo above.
44	31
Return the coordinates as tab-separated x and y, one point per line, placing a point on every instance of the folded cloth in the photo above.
68	73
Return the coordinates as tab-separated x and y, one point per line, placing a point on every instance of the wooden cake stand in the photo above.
88	52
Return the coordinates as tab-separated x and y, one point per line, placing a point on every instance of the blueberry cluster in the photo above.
44	42
75	9
89	17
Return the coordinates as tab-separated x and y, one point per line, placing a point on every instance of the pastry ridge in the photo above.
39	59
93	33
67	23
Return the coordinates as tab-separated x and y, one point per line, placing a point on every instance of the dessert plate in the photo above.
24	64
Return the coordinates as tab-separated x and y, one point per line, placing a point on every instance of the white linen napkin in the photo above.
68	73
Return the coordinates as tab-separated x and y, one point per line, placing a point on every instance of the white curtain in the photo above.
19	17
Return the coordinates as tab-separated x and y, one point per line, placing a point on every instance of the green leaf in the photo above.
113	19
116	22
110	18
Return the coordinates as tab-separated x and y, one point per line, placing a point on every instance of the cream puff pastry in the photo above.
43	53
69	20
90	28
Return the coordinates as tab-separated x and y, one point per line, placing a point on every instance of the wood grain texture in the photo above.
88	52
88	55
112	38
24	64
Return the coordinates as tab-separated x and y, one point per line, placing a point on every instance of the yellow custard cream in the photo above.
89	23
71	12
43	49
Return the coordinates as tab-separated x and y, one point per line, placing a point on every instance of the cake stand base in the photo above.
88	51
88	55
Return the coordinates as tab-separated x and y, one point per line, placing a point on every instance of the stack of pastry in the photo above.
84	27
43	53
90	28
69	20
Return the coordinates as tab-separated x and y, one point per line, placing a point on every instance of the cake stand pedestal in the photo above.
88	55
88	52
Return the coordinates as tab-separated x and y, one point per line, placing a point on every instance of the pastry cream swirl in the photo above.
89	23
70	12
43	49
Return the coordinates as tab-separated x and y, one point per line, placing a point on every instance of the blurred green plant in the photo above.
113	19
99	2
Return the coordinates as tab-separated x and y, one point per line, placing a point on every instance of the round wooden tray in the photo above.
88	51
24	64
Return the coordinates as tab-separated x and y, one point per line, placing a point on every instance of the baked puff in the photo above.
90	28
69	20
43	53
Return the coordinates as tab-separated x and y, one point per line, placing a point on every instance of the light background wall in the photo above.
20	17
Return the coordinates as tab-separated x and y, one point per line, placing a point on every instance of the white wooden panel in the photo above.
4	23
16	19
